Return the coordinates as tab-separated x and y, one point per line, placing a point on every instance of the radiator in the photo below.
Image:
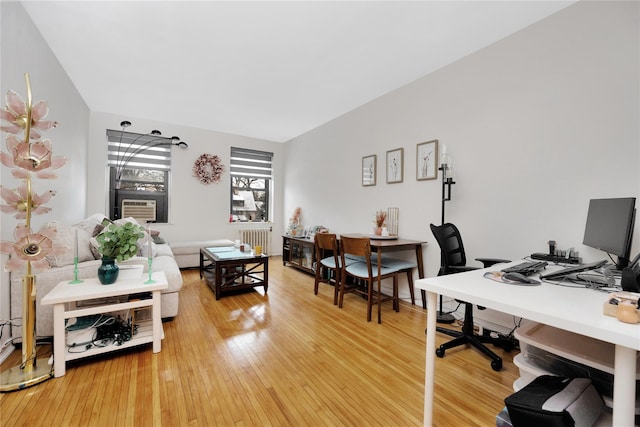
257	236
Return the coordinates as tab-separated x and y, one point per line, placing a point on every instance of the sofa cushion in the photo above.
66	236
164	250
157	239
187	248
90	224
169	266
187	254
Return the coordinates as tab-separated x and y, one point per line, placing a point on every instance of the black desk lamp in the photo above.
447	182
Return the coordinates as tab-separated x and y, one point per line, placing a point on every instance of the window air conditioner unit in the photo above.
141	210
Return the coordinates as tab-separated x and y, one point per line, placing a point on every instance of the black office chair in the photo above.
453	260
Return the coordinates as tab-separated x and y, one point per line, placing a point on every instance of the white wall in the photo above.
537	124
24	50
197	211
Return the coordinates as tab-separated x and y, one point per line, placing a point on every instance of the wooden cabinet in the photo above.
299	253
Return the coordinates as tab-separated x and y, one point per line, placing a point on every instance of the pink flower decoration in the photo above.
31	157
17	201
16	116
31	247
208	168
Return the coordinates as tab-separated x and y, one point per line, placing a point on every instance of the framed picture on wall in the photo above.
427	160
395	159
369	170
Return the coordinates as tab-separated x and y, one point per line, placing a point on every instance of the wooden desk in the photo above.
573	309
381	246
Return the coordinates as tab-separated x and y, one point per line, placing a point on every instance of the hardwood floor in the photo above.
282	359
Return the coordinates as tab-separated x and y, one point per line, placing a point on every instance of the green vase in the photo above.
108	271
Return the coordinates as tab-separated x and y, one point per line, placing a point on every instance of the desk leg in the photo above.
59	341
218	280
430	364
266	274
624	387
201	264
380	287
157	322
421	273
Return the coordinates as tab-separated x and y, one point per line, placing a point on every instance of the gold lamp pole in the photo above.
31	371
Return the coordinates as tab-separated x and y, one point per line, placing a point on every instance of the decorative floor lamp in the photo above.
447	182
130	145
29	157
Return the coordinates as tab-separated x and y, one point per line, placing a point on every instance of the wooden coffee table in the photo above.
227	269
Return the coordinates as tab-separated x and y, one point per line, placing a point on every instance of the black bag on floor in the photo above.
552	401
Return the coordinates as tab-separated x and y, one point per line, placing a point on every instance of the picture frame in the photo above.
395	165
427	160
369	170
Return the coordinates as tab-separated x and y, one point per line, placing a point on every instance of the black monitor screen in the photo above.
610	226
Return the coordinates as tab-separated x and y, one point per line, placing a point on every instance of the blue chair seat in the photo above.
355	257
396	264
386	261
329	262
359	269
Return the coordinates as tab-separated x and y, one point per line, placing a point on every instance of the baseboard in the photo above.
6	352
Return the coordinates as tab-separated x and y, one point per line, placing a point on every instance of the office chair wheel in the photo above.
496	365
440	352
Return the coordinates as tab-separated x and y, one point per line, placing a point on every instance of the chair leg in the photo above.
449	332
336	287
475	342
396	296
369	300
343	279
379	301
423	294
467	336
411	290
317	279
461	340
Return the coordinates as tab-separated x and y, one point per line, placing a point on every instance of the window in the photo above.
139	166
250	184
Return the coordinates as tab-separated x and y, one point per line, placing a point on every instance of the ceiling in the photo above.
268	70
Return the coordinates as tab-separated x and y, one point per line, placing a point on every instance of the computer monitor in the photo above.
610	227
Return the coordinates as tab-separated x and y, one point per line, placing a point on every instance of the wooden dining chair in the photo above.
367	272
328	263
402	266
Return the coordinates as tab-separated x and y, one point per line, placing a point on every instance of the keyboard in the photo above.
526	267
561	274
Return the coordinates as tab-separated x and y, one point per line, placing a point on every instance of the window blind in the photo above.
250	163
135	150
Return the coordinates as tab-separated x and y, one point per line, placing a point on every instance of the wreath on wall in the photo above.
208	168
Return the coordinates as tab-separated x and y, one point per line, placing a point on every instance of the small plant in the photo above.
119	241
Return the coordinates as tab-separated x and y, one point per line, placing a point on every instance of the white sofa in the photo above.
187	254
63	269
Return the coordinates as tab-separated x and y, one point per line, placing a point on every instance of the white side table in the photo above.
65	296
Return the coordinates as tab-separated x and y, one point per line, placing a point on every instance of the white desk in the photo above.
571	309
67	294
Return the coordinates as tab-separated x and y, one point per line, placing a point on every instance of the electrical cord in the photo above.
115	331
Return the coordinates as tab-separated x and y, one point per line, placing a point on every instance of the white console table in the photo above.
65	296
572	309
